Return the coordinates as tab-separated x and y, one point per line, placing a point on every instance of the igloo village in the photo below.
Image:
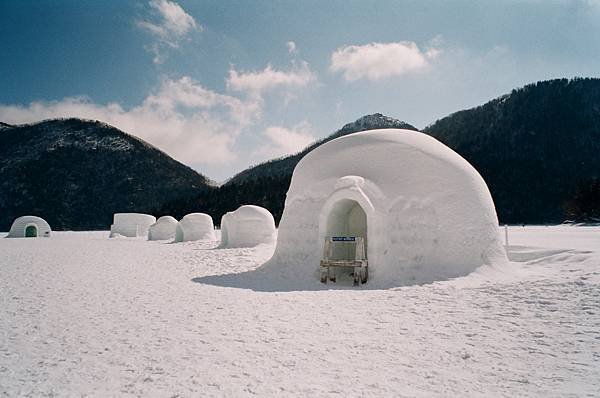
388	275
312	199
350	212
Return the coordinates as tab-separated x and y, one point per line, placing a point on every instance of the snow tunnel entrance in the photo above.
30	231
346	218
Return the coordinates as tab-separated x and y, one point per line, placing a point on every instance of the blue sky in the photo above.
221	85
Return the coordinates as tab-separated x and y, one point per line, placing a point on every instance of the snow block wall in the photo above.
163	229
248	226
425	213
195	226
29	226
131	224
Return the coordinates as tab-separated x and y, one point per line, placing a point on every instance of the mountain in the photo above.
266	184
76	173
535	147
283	167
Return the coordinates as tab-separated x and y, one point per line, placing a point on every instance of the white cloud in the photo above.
269	78
285	141
376	61
185	93
292	47
171	25
191	123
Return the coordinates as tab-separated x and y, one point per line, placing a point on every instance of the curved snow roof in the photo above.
397	161
197	218
133	218
166	219
251	212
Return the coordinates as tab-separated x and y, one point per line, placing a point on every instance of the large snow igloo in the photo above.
424	212
29	227
248	226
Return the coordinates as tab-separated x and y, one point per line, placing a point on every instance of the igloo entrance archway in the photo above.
348	211
346	218
31	231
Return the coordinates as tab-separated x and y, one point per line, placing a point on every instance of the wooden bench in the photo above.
360	265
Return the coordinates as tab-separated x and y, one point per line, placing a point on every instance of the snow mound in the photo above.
425	213
131	225
195	226
29	226
248	226
163	229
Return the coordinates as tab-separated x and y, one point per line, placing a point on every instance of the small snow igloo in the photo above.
423	212
29	227
195	226
163	229
248	226
131	224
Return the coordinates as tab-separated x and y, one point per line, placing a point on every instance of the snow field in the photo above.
84	315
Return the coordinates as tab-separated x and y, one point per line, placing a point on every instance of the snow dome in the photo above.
131	224
195	226
163	229
248	226
424	212
29	227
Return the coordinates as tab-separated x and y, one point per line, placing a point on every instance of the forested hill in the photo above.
537	147
76	173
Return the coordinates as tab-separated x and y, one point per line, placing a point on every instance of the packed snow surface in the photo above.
195	226
424	211
82	315
247	226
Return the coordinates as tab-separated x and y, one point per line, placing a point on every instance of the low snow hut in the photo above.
248	226
29	227
131	224
163	229
195	226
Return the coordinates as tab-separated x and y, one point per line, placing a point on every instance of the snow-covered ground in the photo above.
84	315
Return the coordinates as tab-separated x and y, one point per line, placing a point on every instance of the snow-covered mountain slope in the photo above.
83	315
76	173
5	126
